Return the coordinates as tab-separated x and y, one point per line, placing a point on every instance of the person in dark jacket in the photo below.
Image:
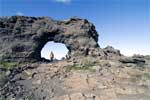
51	56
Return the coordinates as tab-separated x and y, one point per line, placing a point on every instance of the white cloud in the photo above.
19	13
62	1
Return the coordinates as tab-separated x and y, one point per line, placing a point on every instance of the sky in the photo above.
123	24
58	49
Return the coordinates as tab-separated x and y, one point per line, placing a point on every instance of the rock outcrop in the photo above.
91	73
93	79
22	38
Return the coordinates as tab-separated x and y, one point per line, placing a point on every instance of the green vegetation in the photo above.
87	62
4	74
84	65
30	97
1	98
147	57
8	65
2	80
81	67
147	74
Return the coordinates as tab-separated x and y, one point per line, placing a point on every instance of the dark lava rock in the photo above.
110	51
22	38
132	60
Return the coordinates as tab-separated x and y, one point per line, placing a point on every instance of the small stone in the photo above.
65	97
101	86
37	82
28	73
7	73
77	96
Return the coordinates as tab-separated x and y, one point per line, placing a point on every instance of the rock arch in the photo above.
22	38
59	50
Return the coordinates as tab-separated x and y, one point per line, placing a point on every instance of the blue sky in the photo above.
124	24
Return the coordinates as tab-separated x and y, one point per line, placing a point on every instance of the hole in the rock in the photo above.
59	50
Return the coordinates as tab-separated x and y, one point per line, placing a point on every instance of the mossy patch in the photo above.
1	98
147	57
147	74
85	64
81	67
4	74
8	65
3	78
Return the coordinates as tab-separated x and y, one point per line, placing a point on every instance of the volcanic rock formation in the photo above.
91	73
22	38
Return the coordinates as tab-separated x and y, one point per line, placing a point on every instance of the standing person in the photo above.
51	56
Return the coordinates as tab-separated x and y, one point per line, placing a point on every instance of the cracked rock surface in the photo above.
104	80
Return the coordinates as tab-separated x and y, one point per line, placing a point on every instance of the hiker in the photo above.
86	51
51	56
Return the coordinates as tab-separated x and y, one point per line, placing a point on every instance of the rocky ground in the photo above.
86	79
90	73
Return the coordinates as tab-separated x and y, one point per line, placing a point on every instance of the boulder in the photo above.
110	51
133	60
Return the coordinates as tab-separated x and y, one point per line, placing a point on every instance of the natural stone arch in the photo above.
59	50
25	36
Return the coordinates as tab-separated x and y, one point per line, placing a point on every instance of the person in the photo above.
51	56
86	51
